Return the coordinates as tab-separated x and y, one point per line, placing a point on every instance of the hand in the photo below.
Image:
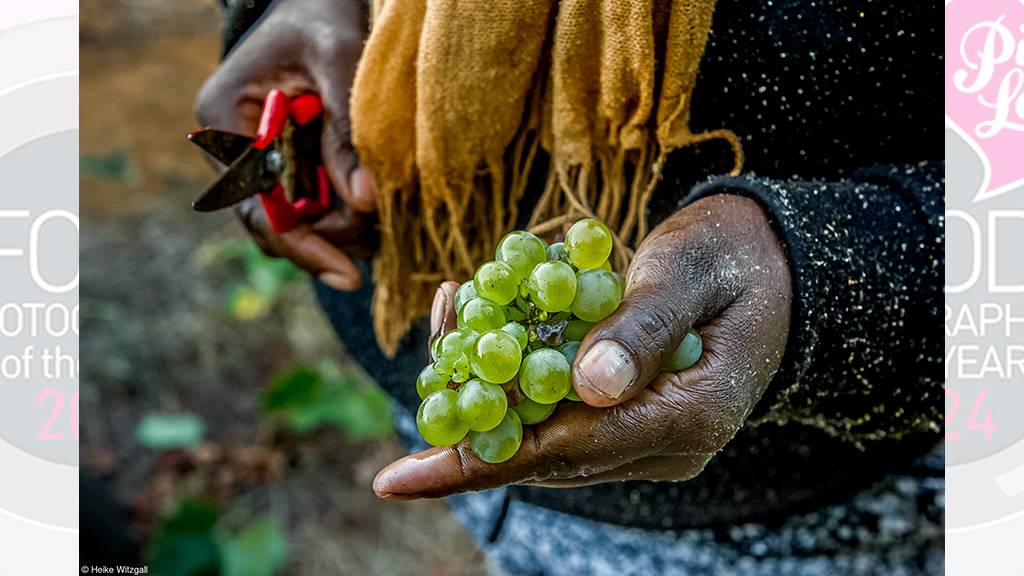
716	265
301	46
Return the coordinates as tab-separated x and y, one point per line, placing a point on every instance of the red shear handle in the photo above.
303	109
284	216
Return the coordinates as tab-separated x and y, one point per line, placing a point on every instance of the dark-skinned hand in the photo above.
301	46
715	265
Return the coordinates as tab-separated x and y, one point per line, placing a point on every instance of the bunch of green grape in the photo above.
520	322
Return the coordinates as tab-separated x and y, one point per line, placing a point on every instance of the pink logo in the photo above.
985	87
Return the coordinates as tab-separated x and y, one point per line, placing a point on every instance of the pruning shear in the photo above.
282	164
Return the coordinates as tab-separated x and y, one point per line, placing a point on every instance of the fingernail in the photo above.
437	309
607	368
336	281
361	183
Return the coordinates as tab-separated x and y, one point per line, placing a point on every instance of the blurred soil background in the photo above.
218	409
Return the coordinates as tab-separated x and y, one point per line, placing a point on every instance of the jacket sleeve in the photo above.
864	357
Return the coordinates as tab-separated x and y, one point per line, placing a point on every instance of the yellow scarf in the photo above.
452	99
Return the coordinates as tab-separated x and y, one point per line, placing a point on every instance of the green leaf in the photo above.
308	416
361	413
247	304
166	431
296	387
117	166
364	414
264	279
184	545
266	275
260	550
310	399
222	251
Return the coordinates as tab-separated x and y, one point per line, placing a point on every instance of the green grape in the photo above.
435	348
501	442
531	412
687	354
461	373
520	250
453	345
497	282
444	369
496	357
481	405
597	295
438	419
557	252
544	376
569	350
481	315
622	283
588	243
429	381
577	329
464	294
552	286
518	331
606	266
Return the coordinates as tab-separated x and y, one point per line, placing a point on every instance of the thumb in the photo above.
666	296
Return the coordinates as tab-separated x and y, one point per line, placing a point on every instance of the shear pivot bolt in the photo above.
275	162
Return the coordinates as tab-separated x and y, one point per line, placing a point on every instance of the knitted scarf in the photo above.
453	98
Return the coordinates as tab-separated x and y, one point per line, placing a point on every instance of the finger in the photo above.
442	313
232	97
342	227
664	299
303	247
577	440
319	257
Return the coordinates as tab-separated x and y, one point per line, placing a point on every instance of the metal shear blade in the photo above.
226	147
247	173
